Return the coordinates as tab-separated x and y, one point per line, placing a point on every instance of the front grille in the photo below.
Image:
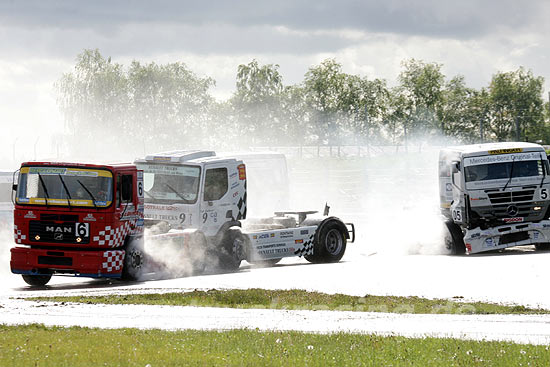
508	197
513	237
59	217
54	232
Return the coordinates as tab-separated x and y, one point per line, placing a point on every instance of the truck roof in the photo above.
185	157
80	164
493	148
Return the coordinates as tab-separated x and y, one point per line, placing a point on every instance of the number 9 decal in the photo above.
204	217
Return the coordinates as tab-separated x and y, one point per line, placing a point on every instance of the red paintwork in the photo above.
107	231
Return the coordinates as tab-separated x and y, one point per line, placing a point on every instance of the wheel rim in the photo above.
136	259
334	242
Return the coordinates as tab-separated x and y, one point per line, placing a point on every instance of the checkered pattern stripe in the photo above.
18	236
114	237
242	205
307	247
113	260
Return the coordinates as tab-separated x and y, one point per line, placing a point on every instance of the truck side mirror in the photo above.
14	187
455	167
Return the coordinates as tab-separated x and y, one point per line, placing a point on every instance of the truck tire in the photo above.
134	260
36	280
197	253
329	242
542	246
454	239
232	245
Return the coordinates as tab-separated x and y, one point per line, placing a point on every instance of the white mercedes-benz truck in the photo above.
494	196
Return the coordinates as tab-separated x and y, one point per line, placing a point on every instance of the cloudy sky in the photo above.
39	40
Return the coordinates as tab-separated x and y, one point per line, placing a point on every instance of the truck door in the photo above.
215	200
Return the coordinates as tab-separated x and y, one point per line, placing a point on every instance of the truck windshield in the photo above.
504	170
65	186
168	184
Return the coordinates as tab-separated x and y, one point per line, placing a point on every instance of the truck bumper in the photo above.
95	264
508	235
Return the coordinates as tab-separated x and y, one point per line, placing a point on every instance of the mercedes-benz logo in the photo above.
512	210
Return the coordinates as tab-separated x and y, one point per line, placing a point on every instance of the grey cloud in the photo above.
455	19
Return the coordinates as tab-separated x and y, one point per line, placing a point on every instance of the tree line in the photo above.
170	105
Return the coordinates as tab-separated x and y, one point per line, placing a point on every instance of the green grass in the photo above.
36	345
300	300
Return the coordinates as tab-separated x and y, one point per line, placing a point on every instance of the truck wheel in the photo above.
454	239
134	260
232	245
330	244
36	280
197	252
542	246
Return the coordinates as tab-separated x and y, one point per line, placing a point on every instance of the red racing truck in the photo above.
78	219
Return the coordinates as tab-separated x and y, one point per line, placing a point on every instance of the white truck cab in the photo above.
495	196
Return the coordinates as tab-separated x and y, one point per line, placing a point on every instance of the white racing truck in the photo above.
495	196
198	201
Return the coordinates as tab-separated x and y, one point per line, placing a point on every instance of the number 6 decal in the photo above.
82	229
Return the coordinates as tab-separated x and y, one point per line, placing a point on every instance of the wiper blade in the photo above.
150	195
44	187
175	191
511	174
88	191
67	191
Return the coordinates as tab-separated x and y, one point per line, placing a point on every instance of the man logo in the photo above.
58	236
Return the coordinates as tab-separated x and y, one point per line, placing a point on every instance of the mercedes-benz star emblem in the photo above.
512	210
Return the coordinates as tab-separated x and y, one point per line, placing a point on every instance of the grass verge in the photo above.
300	300
37	345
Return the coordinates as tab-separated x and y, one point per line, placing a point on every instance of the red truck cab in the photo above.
78	219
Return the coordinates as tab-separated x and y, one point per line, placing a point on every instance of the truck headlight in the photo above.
537	208
78	239
37	237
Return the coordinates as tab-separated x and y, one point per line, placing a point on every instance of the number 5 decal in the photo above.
457	215
544	193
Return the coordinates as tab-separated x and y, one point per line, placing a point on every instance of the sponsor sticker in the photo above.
30	214
506	151
513	220
304	231
90	218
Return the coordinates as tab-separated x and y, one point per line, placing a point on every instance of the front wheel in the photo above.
37	280
542	246
330	245
231	248
134	260
454	239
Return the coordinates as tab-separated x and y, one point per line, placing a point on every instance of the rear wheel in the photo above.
37	280
454	239
134	260
330	244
